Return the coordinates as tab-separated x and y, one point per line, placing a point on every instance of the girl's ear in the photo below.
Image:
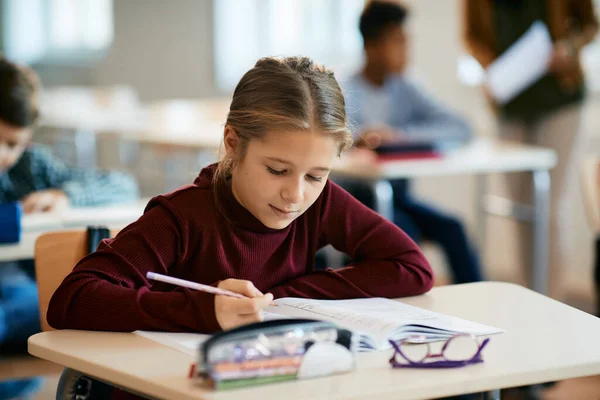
231	141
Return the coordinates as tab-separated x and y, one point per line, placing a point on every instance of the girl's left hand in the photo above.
564	57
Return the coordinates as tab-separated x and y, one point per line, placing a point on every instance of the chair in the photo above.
56	253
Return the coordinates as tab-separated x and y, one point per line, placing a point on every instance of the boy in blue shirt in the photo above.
386	105
29	174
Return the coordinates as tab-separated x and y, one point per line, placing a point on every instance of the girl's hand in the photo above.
232	312
564	57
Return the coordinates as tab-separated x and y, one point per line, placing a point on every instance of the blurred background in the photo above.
113	67
132	84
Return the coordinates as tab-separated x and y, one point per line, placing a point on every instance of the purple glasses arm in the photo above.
481	347
436	364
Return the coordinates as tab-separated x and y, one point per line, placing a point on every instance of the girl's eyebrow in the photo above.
279	160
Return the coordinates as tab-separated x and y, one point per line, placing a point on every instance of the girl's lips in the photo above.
282	213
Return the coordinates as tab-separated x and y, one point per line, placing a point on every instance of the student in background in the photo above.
548	113
251	223
386	105
31	175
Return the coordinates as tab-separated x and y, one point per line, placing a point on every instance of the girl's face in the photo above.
282	174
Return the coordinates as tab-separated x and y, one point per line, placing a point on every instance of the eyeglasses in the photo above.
457	351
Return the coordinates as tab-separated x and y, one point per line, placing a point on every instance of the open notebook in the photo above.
376	320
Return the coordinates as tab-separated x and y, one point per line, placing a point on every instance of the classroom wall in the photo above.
161	48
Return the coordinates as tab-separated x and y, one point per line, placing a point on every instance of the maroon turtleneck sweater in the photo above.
182	234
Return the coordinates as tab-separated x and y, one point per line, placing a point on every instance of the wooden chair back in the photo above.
56	254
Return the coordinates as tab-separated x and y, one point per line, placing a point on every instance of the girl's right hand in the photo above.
232	312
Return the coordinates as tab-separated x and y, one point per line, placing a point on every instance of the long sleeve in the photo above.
387	262
430	120
108	290
472	33
83	187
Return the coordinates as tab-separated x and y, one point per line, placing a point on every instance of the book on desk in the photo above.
408	150
375	320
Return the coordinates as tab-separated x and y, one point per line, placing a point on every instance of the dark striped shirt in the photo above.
38	169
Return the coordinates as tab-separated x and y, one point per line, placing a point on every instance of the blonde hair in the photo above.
283	94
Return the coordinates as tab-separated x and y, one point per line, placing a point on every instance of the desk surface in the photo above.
545	341
483	155
34	225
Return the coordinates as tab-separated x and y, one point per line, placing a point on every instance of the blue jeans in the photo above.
422	221
19	319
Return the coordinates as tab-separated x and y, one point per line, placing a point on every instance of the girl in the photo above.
251	223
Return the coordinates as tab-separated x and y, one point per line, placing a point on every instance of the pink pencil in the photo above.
194	285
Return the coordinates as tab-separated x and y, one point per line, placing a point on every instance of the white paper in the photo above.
524	63
188	343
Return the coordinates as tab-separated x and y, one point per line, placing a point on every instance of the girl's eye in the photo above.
274	171
315	178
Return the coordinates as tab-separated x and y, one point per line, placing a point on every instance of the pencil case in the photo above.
275	351
10	222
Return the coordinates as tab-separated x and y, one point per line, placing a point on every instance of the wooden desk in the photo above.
481	157
545	341
36	224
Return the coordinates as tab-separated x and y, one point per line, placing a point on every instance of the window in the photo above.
245	30
56	30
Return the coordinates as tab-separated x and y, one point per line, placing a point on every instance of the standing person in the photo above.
548	113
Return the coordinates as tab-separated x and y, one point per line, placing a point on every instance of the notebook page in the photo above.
269	316
338	312
377	317
188	343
